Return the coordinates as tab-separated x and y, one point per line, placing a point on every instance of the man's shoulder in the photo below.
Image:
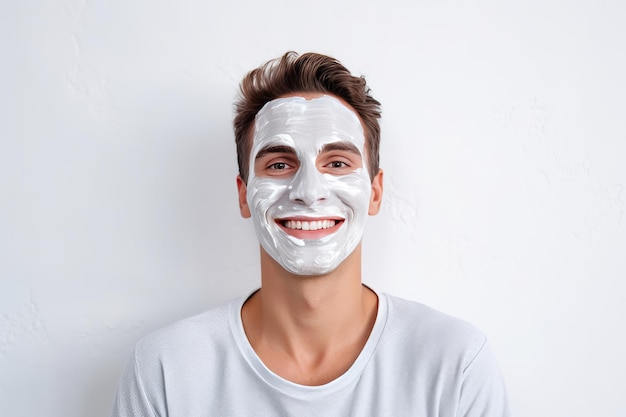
426	329
207	331
443	358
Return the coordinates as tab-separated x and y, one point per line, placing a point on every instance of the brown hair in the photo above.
309	72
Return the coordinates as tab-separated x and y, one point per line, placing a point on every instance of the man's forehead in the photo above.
323	112
306	122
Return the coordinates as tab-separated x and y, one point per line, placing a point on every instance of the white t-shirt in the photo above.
417	362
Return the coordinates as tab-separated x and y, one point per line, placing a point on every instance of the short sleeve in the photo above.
130	398
483	392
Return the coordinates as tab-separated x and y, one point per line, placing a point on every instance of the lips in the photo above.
307	228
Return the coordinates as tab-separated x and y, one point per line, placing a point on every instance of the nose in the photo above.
308	186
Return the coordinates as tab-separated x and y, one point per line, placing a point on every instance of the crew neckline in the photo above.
293	389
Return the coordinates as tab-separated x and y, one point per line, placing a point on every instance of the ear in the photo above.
377	193
243	199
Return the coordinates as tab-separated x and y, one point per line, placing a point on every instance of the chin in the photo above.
308	271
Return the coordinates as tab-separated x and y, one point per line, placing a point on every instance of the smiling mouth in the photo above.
309	228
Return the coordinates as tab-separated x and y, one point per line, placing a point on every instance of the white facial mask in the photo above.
338	204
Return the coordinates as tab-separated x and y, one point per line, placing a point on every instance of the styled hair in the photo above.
307	73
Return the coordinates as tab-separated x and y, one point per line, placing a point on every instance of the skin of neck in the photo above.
310	319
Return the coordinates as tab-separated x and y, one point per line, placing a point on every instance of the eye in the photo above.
279	166
337	164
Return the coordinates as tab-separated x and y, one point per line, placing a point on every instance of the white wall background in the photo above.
504	145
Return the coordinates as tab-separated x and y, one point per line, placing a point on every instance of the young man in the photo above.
312	341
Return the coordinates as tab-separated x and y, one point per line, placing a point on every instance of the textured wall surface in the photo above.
504	148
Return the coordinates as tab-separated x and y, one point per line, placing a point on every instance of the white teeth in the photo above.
312	225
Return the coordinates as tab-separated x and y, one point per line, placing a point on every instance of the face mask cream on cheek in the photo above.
309	222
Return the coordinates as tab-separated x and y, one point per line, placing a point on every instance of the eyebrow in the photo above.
275	149
341	146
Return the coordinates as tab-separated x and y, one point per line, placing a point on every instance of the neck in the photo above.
308	318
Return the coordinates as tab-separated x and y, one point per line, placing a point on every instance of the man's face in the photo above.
309	190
